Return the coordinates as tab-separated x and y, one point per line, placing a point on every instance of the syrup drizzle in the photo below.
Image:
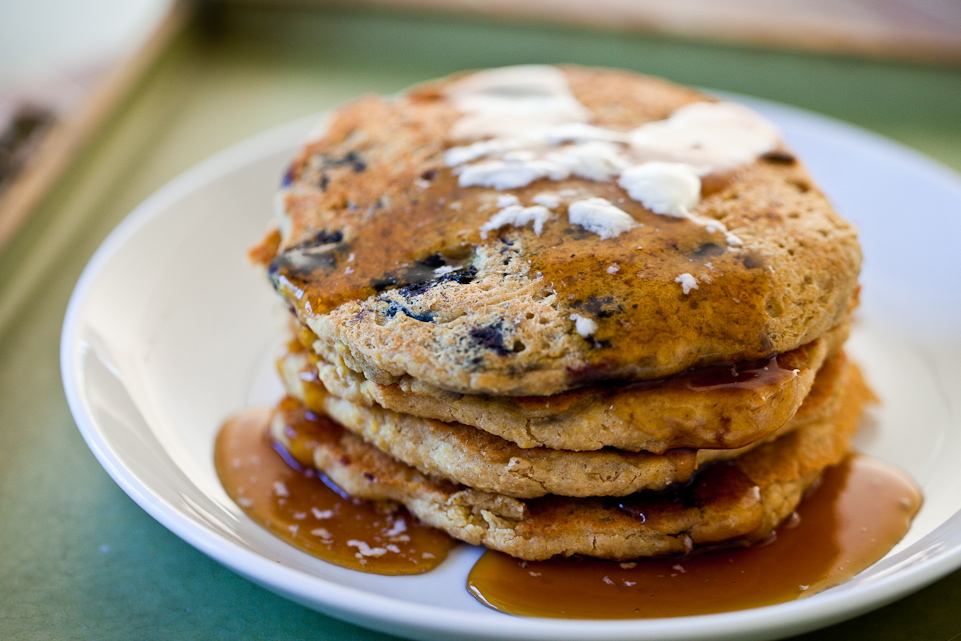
298	505
860	511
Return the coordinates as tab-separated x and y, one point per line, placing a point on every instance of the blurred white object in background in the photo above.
61	64
43	37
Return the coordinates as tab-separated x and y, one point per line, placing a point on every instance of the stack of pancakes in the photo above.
562	311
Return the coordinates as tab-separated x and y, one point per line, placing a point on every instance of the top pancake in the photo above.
412	252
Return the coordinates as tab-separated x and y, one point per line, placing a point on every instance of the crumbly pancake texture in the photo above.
527	231
736	502
486	462
720	406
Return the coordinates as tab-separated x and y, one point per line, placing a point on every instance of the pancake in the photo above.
737	502
528	231
706	408
465	455
564	311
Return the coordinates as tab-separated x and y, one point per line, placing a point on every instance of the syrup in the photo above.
297	505
861	510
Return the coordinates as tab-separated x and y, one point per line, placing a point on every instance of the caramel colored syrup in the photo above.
861	510
297	505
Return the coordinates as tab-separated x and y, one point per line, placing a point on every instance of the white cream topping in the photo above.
503	174
714	136
482	149
668	188
580	132
549	200
532	128
518	216
687	281
600	216
596	160
513	100
584	326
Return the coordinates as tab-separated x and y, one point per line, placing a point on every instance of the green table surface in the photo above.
78	558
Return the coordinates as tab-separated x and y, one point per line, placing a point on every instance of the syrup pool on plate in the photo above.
296	504
861	509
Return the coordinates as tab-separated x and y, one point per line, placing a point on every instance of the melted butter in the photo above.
861	510
710	136
511	100
297	505
530	126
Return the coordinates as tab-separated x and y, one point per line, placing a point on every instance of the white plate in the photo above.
169	331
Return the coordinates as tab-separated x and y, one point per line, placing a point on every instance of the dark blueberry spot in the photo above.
325	237
288	178
433	261
460	276
599	306
299	264
394	307
418	277
491	337
708	250
779	157
324	182
351	159
381	284
416	289
421	271
354	161
319	239
430	174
